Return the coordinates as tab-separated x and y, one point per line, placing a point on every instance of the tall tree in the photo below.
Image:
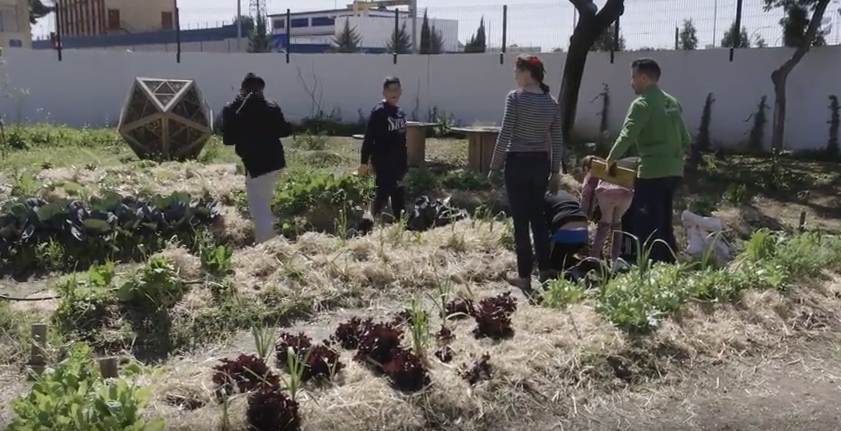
38	10
794	25
347	40
260	40
436	41
400	41
729	39
688	36
592	22
477	42
431	40
780	76
605	40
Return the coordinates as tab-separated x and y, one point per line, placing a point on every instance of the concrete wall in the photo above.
89	87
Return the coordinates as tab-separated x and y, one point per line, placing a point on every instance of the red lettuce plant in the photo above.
493	317
243	374
378	344
347	334
406	371
445	354
271	410
445	335
459	308
318	361
479	370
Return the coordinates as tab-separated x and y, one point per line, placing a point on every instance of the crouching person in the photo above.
254	125
568	225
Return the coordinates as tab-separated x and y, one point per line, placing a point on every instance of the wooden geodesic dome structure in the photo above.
165	119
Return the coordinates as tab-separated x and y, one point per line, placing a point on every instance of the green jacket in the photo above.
655	125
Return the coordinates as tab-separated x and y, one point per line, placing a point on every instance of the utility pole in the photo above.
239	25
413	12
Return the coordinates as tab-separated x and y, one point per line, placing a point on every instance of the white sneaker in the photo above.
619	265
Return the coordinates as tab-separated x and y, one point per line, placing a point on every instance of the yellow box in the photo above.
625	176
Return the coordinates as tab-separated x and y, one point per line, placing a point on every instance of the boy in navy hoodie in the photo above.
384	150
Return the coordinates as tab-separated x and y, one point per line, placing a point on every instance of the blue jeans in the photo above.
650	218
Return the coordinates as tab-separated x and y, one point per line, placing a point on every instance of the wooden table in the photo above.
416	143
480	146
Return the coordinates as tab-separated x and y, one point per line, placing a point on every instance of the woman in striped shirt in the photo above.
529	150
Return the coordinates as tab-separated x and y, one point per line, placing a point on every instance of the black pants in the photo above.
389	186
526	181
563	256
651	218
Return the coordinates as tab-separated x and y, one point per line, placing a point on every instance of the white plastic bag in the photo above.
703	235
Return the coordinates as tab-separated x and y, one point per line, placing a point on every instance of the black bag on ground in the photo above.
428	213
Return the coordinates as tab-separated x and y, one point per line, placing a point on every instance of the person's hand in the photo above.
555	182
364	170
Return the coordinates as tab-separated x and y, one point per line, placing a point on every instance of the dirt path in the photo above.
796	391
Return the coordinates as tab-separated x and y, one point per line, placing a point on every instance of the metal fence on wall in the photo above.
538	27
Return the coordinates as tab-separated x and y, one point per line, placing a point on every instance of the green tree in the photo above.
478	42
779	76
431	40
400	41
38	10
729	39
260	40
605	40
347	40
794	25
688	36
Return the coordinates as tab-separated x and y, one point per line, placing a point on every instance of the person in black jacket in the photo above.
254	125
384	150
568	225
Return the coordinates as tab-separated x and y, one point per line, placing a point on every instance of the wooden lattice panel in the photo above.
165	119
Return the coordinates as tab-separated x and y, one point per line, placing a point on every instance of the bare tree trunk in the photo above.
592	22
780	76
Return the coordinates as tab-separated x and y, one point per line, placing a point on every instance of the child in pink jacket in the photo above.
613	201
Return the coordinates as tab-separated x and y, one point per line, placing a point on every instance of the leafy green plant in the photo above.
562	293
73	396
217	260
109	227
84	301
155	285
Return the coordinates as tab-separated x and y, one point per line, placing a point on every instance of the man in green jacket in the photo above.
654	126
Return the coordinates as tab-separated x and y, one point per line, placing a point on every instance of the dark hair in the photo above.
391	80
534	66
253	83
647	67
587	162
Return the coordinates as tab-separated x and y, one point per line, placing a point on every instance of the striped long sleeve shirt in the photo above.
531	123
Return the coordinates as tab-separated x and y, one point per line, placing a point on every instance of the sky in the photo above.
547	24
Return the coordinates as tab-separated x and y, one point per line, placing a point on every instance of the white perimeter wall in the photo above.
89	87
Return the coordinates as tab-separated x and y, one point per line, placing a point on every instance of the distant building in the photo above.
15	29
314	31
103	17
146	26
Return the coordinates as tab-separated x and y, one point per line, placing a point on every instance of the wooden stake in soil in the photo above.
109	368
802	225
37	355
